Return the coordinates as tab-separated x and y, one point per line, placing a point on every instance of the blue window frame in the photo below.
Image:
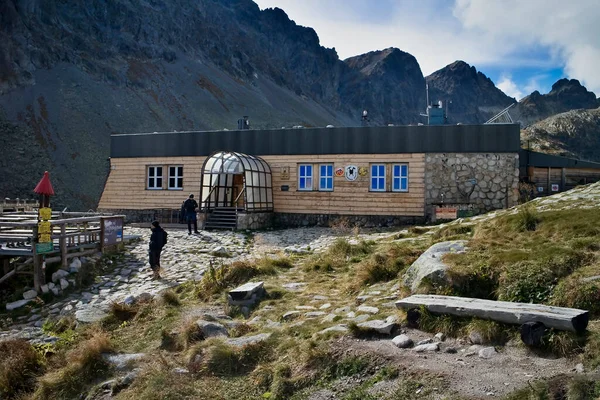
378	177
400	178
305	177
326	177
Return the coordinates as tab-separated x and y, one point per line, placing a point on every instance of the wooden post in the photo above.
6	265
549	188
39	277
563	179
63	247
102	234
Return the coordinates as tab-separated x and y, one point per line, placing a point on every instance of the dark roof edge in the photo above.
543	160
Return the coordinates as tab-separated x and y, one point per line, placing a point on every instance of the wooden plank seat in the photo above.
567	319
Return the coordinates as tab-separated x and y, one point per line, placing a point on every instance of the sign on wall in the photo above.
285	173
540	189
339	172
446	213
113	231
363	171
351	172
555	187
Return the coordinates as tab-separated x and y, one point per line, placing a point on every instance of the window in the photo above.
155	178
305	177
326	177
378	178
400	178
175	178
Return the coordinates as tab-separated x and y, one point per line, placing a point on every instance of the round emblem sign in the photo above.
351	172
339	172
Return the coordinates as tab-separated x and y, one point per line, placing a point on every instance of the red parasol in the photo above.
44	187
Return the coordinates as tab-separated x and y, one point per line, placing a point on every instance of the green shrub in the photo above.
171	298
527	218
572	292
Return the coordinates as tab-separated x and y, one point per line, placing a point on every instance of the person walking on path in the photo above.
191	206
158	240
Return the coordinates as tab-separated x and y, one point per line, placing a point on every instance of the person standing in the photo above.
158	240
191	206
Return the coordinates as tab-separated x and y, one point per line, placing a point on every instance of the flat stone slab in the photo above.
568	319
16	304
336	328
367	309
378	325
291	315
487	352
427	347
314	314
246	340
246	291
91	314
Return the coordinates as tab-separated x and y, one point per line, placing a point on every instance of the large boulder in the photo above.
430	265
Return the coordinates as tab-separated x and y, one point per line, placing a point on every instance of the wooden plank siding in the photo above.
572	178
126	185
349	198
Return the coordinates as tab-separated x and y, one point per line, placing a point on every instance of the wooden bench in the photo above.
566	319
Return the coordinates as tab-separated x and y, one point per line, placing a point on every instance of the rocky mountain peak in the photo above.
391	61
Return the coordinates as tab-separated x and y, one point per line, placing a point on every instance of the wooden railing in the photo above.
75	237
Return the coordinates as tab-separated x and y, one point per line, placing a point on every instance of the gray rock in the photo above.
361	318
90	314
342	310
64	284
123	361
424	341
367	309
55	291
305	308
475	337
378	325
220	251
30	294
129	300
487	352
362	299
392	319
290	315
579	368
328	318
58	275
45	289
294	286
314	314
427	347
429	265
246	340
335	328
16	304
325	306
440	337
212	329
402	341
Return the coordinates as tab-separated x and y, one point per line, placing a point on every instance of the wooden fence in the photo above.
73	235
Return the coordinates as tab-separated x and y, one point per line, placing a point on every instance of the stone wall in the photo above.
142	216
290	220
484	181
255	220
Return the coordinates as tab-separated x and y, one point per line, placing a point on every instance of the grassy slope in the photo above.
522	254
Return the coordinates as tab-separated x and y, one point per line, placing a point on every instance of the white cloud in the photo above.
509	87
506	34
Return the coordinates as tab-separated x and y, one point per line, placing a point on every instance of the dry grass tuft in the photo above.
20	364
170	298
85	366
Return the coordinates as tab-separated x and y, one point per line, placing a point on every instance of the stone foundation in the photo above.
255	220
289	220
143	216
480	181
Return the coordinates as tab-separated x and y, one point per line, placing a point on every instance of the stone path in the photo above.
184	258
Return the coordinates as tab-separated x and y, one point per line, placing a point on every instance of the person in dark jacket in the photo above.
158	239
191	206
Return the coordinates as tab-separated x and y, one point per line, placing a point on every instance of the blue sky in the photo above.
522	45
